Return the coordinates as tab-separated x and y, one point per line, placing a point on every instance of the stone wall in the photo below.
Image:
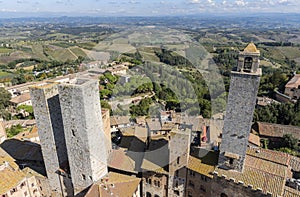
238	119
85	138
179	148
48	116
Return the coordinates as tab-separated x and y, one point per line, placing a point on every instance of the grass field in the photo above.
78	51
5	75
5	50
290	52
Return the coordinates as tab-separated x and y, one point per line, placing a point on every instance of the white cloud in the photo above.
195	1
241	3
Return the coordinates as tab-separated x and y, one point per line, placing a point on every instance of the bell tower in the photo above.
243	90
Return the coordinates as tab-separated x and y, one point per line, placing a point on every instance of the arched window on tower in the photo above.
248	64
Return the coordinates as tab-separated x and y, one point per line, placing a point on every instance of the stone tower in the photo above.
240	108
45	101
85	138
179	150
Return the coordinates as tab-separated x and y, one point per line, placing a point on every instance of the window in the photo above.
148	194
83	177
223	195
191	184
178	160
32	184
149	181
73	133
155	183
248	63
230	161
176	173
25	193
202	188
176	192
158	183
22	185
190	194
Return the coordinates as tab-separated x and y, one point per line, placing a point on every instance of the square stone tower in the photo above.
46	105
85	138
240	108
179	150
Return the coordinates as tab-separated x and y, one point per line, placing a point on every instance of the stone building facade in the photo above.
179	147
240	108
85	138
47	110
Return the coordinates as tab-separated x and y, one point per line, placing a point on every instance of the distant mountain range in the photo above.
259	20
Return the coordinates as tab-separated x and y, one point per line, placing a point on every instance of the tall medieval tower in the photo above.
240	108
47	111
85	138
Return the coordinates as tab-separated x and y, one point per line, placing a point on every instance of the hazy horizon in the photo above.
56	8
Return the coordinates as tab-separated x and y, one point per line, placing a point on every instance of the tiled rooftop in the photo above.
10	173
294	82
115	184
290	192
20	99
277	130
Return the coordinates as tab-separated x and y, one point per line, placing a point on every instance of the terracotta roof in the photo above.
150	166
269	155
20	99
201	167
137	131
153	124
10	173
118	159
251	48
254	139
290	192
119	120
260	173
294	82
115	184
277	130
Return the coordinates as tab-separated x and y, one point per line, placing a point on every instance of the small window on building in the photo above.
176	192
90	177
148	194
176	173
158	183
202	188
150	181
230	161
178	160
73	133
191	184
155	184
25	193
83	177
32	184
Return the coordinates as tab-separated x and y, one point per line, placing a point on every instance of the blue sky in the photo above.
147	7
